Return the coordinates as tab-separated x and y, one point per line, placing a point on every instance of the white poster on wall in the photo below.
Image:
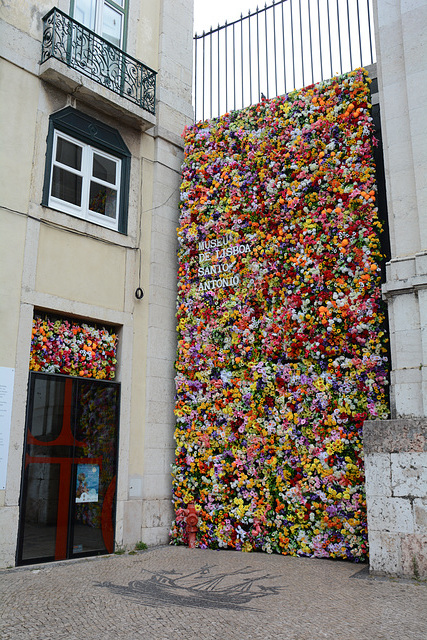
7	376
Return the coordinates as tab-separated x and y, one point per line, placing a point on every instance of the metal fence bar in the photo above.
210	74
311	41
320	39
293	49
301	43
226	68
250	60
339	34
329	34
360	35
219	76
368	3
234	65
257	50
303	51
349	35
275	50
266	50
203	102
241	53
196	75
283	44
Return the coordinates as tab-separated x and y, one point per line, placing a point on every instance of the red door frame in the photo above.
66	438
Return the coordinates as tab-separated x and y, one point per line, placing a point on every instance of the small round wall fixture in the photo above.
139	293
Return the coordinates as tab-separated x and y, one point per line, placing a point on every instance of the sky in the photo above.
209	13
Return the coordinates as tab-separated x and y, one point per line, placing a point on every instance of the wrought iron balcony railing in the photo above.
84	51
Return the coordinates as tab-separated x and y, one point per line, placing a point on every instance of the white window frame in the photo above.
85	172
118	7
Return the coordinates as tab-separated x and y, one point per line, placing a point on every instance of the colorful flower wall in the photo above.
281	351
76	349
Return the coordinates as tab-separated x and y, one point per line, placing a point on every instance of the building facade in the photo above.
94	97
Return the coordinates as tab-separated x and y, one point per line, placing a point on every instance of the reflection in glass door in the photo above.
70	461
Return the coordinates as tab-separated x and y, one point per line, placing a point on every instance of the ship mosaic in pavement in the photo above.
202	589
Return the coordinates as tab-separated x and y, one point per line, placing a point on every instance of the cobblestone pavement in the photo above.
172	593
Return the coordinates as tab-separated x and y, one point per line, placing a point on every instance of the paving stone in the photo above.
172	593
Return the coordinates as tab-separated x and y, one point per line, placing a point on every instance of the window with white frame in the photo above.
85	182
104	17
87	170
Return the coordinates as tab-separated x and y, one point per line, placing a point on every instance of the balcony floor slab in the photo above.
80	86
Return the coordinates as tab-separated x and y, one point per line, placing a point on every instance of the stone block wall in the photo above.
396	488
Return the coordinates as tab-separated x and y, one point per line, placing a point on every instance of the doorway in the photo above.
68	491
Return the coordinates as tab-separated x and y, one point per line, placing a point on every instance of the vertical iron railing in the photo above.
280	47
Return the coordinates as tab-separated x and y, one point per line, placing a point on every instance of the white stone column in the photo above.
396	450
402	80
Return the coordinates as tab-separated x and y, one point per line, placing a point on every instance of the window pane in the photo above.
112	26
84	12
67	186
104	169
103	200
39	513
69	154
97	428
48	408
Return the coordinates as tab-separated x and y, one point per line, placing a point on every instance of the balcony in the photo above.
91	59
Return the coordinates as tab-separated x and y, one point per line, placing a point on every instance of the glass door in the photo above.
70	461
94	479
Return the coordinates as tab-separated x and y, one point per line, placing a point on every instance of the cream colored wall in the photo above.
26	16
146	26
12	239
17	127
129	507
174	112
59	263
16	132
141	314
56	262
77	268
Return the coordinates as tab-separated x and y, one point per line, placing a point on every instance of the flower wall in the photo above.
73	348
281	351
